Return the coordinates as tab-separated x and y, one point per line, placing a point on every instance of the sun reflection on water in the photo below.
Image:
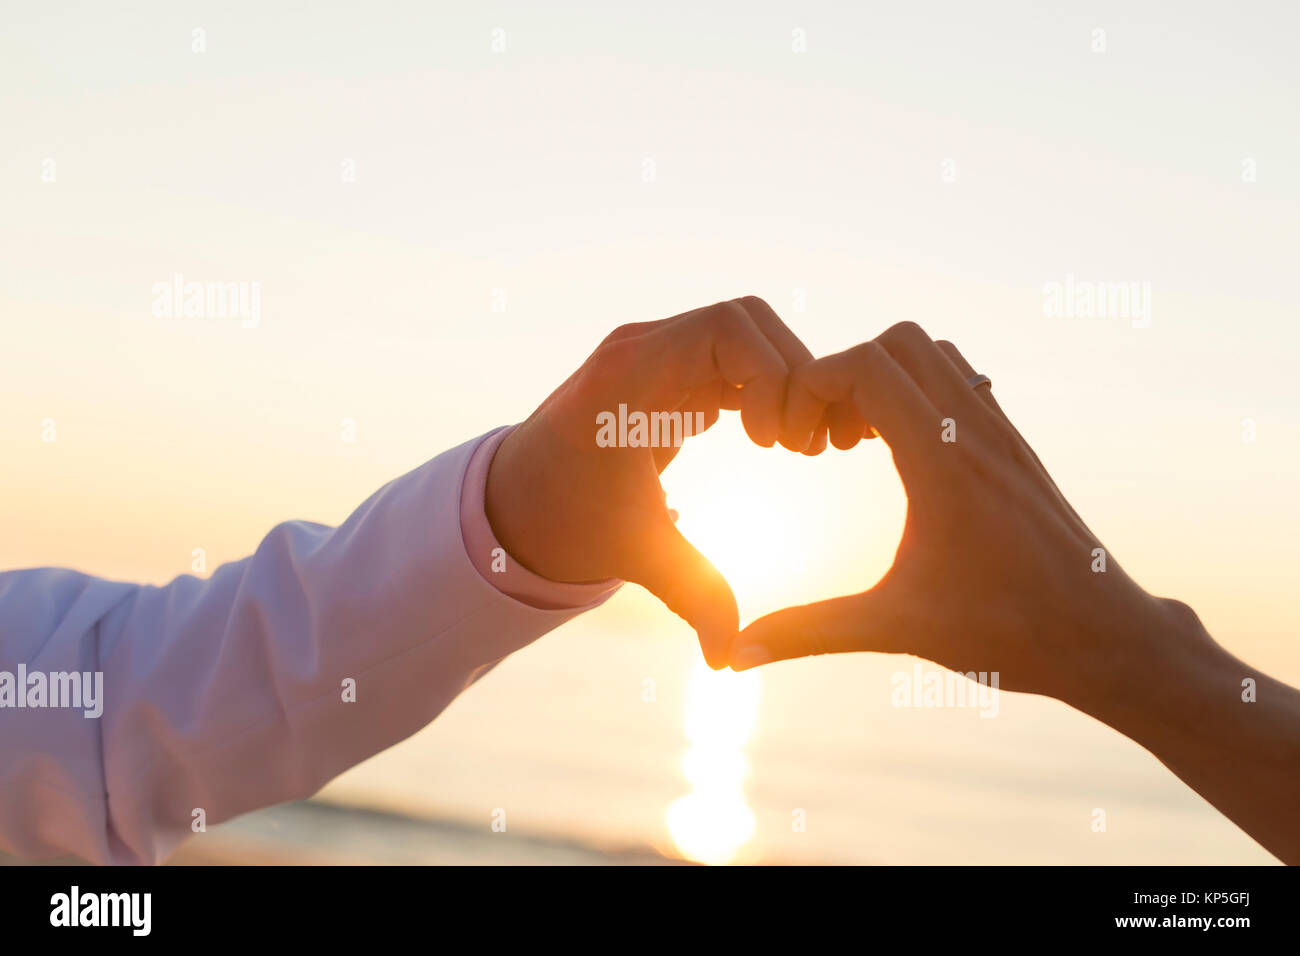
712	822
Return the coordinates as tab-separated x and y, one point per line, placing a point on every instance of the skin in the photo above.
994	571
572	511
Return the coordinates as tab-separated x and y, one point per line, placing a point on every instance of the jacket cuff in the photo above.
492	562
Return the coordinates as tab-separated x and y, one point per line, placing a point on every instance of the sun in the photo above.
785	528
747	533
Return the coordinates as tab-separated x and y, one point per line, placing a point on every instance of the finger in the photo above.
748	347
846	426
985	392
673	570
709	401
722	341
802	419
934	372
805	421
633	329
763	396
966	370
883	395
818	443
809	430
789	345
859	622
744	355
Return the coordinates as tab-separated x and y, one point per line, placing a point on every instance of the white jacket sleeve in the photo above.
228	694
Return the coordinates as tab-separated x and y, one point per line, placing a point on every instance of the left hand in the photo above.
572	511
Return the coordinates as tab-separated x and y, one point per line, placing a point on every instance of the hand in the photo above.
570	510
995	570
997	573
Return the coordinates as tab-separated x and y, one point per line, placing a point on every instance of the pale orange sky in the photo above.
809	178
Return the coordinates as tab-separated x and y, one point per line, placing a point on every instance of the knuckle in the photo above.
728	315
1181	611
1020	453
906	331
614	355
868	355
801	375
621	332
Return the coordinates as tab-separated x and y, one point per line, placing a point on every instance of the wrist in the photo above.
507	504
525	509
1163	679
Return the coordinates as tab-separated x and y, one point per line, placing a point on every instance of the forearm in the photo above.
256	685
1227	731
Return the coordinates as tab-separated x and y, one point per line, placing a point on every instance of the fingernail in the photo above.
751	655
715	652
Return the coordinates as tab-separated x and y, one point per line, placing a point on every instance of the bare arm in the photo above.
1229	732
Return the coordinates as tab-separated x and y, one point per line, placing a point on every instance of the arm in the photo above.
1238	747
996	572
227	694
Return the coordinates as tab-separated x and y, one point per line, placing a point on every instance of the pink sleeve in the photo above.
258	684
491	560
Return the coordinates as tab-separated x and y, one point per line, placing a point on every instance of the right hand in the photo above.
994	571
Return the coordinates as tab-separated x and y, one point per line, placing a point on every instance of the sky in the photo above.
445	207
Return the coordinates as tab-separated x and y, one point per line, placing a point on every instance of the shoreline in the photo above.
320	833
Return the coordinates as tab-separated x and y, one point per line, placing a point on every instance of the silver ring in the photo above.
975	381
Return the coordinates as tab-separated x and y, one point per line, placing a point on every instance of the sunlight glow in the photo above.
712	822
747	536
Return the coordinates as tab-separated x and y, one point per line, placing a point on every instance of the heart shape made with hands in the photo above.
574	493
590	456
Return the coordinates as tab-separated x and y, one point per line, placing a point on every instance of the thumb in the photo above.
687	582
859	622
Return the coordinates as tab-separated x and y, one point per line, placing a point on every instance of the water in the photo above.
585	735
